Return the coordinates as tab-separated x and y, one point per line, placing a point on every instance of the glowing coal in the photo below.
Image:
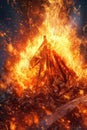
46	72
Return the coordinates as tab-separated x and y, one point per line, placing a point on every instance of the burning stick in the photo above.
61	112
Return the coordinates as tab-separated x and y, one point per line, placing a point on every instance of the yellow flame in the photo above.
61	35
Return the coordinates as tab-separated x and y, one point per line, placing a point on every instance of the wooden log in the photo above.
61	112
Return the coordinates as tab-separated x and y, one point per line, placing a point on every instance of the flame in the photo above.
60	32
31	66
13	124
48	112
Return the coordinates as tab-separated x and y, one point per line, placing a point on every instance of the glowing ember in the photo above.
45	72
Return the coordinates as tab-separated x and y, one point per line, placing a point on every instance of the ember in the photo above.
43	82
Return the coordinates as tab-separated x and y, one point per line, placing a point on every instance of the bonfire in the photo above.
43	84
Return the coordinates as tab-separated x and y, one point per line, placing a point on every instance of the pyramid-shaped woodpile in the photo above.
56	103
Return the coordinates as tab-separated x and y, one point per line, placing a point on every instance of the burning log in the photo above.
40	82
61	112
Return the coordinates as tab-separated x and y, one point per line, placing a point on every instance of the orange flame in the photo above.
61	35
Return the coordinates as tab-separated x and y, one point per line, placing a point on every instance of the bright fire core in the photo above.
56	34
